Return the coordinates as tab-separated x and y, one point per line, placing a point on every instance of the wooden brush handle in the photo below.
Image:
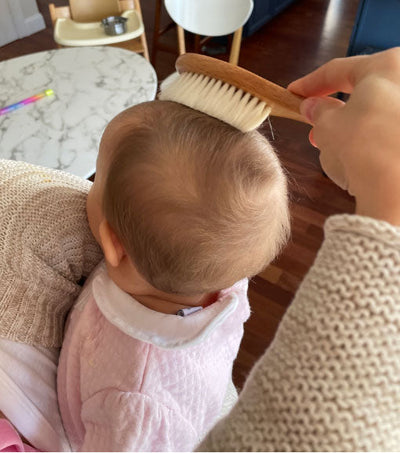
282	102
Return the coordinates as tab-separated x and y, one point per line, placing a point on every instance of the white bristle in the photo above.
218	99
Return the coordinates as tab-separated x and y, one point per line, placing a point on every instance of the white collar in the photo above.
163	330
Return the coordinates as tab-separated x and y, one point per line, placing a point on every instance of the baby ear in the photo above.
111	245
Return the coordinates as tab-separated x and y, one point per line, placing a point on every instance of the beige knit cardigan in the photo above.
331	379
46	247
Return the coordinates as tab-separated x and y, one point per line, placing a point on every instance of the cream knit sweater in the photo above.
46	247
331	378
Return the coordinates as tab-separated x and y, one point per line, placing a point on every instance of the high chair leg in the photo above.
143	39
181	40
235	48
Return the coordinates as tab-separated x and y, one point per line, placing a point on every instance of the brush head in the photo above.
218	99
228	92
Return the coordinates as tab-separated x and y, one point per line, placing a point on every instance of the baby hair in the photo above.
197	204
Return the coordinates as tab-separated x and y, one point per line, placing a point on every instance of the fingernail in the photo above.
307	108
311	139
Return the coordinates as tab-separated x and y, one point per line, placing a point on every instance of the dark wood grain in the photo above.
304	36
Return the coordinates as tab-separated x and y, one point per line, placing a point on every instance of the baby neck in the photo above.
130	281
172	303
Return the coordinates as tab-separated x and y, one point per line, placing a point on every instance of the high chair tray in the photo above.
70	33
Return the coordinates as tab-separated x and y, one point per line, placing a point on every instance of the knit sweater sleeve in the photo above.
330	379
46	247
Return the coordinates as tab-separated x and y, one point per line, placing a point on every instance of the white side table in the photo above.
91	86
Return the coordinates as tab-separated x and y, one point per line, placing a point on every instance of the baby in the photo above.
185	209
184	206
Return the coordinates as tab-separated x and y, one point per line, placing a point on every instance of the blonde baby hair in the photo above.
196	203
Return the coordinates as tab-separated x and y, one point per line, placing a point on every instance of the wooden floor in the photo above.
303	37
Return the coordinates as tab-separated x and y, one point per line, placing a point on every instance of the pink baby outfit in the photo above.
132	379
10	439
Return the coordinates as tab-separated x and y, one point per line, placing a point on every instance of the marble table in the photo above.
91	85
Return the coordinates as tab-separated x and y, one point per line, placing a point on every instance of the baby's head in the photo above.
195	204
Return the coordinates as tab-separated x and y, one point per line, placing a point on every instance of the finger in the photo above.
340	74
313	108
334	169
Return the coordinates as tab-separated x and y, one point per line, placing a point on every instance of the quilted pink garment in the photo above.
10	439
132	379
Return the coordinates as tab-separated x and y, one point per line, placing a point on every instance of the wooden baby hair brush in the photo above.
229	93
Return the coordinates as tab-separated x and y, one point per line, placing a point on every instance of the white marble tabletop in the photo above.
91	85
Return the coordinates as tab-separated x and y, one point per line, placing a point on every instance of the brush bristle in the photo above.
217	99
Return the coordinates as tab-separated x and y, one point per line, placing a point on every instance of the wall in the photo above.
19	18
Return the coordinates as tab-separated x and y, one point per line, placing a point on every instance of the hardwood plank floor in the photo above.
304	36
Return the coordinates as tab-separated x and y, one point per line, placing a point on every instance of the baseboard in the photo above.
33	24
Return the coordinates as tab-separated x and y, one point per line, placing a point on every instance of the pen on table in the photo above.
17	105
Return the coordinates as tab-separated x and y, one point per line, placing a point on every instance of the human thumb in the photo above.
325	115
315	107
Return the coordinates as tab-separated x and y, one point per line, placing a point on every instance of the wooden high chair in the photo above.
204	18
84	29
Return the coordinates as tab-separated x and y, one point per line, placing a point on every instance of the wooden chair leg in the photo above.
143	39
235	48
53	14
181	40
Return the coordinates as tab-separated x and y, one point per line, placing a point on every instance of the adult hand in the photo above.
359	140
